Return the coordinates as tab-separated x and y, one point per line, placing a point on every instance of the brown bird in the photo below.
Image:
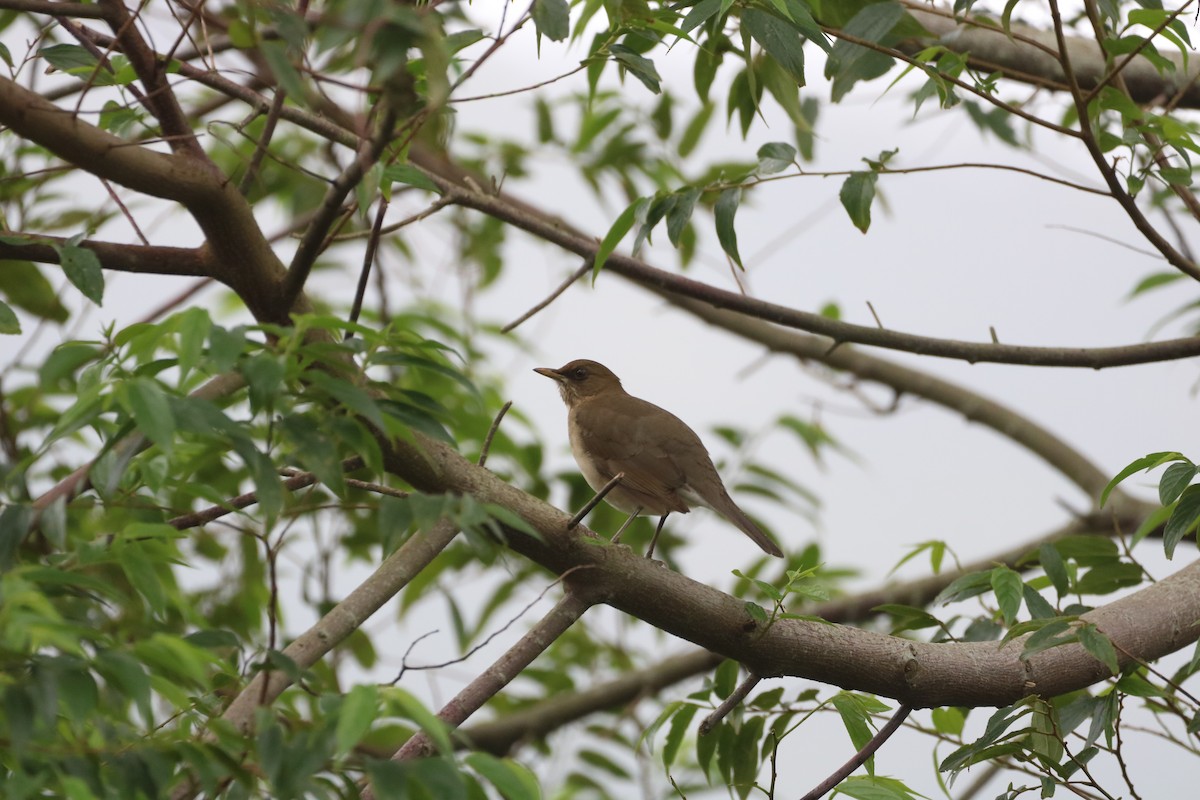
665	465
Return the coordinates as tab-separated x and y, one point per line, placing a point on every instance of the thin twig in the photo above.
733	701
584	268
368	259
565	613
487	440
861	756
595	501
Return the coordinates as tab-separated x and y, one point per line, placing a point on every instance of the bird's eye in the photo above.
579	374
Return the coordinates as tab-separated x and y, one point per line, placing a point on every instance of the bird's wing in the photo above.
647	449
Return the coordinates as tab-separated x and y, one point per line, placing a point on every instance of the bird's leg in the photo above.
617	536
657	531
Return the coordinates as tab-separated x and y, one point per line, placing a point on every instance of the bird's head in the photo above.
581	379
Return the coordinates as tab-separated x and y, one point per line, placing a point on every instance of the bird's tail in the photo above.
723	504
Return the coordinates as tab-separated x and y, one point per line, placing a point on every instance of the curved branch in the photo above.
1156	620
860	758
560	233
242	256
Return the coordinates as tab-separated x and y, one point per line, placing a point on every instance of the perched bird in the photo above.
664	463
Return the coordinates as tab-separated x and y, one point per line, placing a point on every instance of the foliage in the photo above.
239	448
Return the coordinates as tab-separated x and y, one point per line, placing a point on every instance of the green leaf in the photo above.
695	129
194	327
724	211
8	319
775	157
1053	634
1100	646
83	269
1147	462
1183	519
1174	480
1052	562
354	398
275	53
151	411
699	13
355	716
552	19
24	286
876	787
14	525
680	213
780	40
1009	589
675	734
850	63
512	780
854	718
949	720
615	234
966	586
857	194
638	65
410	176
415	710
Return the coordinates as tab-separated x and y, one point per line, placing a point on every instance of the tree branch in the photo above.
1026	53
565	613
160	98
501	735
78	10
1148	624
558	232
143	259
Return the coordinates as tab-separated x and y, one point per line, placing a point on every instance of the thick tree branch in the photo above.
159	175
500	736
1147	625
242	256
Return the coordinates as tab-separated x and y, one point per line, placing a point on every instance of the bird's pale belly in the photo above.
620	498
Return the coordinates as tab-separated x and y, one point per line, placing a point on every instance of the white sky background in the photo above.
950	254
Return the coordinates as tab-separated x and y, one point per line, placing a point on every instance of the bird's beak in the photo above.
552	374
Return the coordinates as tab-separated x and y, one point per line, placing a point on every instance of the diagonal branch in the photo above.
557	232
160	98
